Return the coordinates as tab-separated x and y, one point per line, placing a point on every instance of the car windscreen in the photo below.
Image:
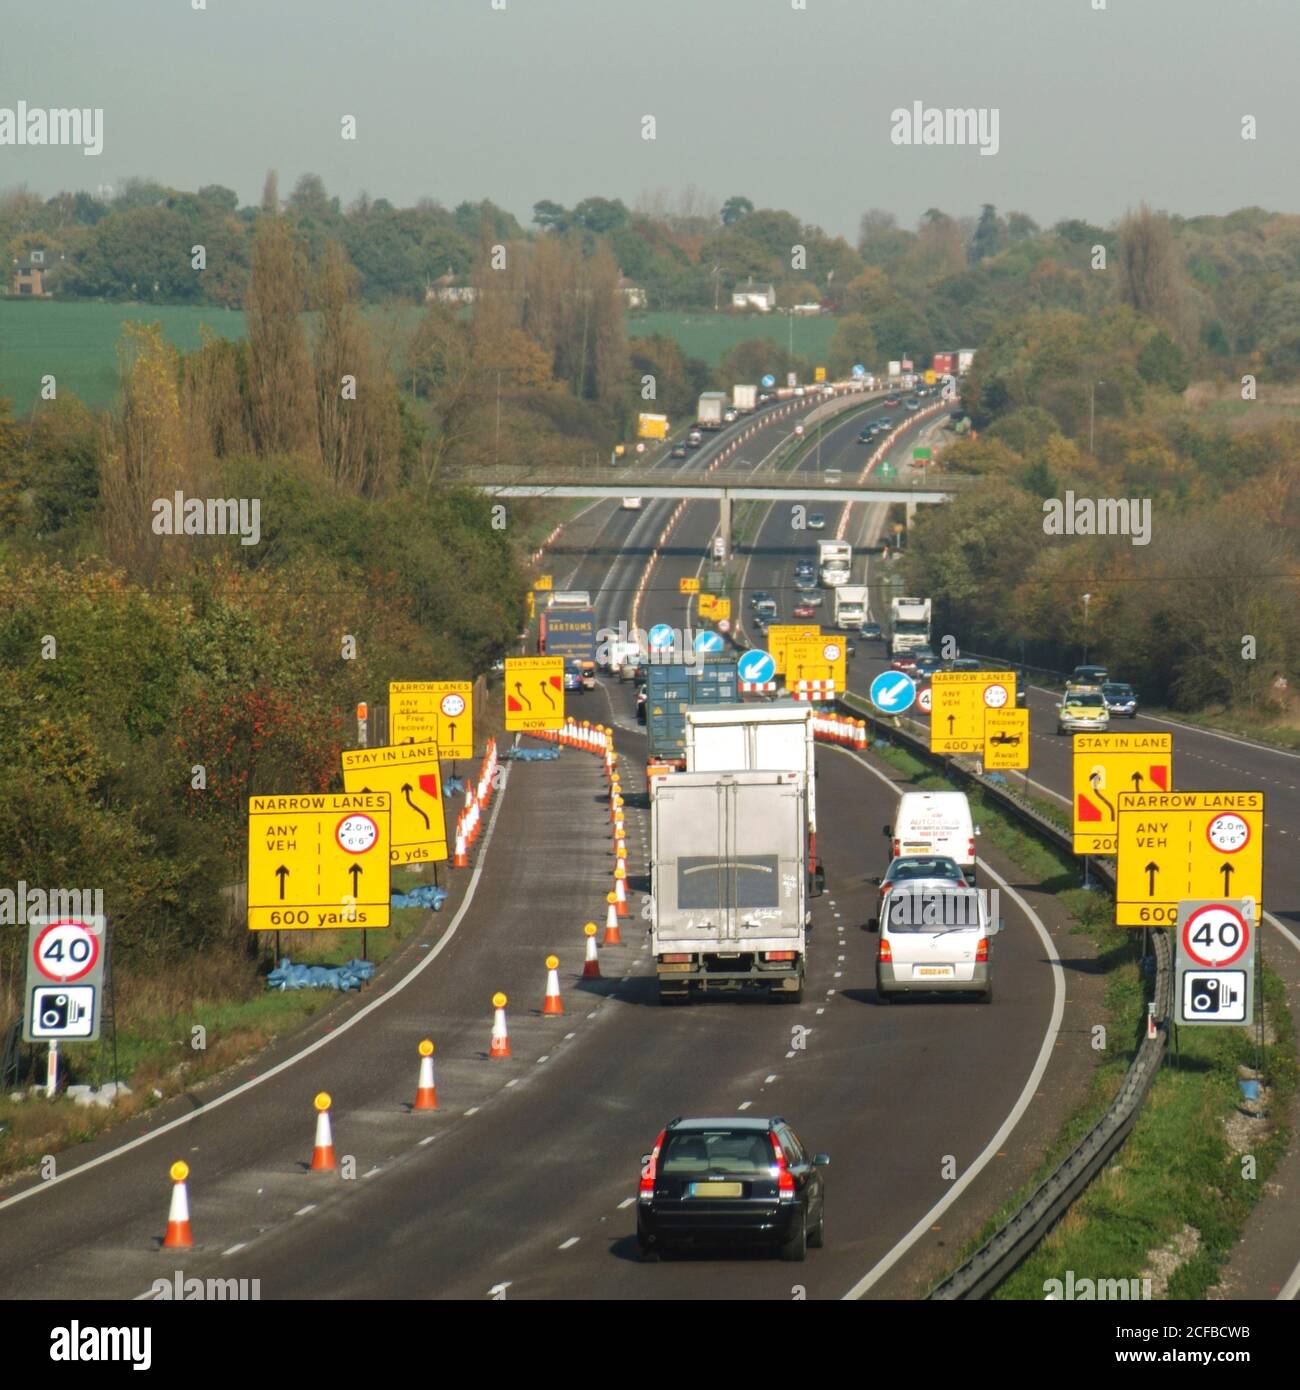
903	869
1088	700
933	910
690	1153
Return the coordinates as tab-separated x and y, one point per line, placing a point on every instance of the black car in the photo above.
733	1179
871	632
867	435
965	663
926	666
678	451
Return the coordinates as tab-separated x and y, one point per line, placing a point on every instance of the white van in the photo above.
935	823
934	940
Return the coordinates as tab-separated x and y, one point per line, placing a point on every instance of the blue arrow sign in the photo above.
708	641
661	636
756	666
769	380
892	692
859	369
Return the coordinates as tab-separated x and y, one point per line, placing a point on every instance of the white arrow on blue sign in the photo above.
756	667
892	692
661	636
859	369
769	380
708	642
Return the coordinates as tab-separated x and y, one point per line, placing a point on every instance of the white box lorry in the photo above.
744	399
834	562
909	624
712	406
850	607
729	884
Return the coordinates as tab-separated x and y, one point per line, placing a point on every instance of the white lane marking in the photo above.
791	1054
567	1036
572	1240
372	1172
545	1057
473	1110
428	1139
821	1010
744	1105
236	1248
767	1081
1052	1032
332	1036
514	1081
626	1202
302	1211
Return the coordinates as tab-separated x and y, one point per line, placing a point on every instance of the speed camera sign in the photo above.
65	974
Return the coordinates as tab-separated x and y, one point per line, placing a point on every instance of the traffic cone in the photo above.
461	858
552	1004
612	937
178	1215
862	733
322	1159
500	1036
621	908
426	1093
620	849
591	967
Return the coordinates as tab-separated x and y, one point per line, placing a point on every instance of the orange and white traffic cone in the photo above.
612	937
620	849
178	1215
322	1158
591	967
621	908
552	1004
461	858
500	1036
426	1092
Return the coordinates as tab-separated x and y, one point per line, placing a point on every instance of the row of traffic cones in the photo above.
841	729
478	795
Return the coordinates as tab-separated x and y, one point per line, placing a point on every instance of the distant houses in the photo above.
752	296
451	289
29	275
634	297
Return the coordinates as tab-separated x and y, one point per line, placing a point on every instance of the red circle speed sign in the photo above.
65	951
1216	935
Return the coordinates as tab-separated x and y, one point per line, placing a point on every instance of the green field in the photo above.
711	336
76	342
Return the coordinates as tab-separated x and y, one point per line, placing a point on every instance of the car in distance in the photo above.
678	451
631	504
872	632
767	609
934	939
760	626
1120	699
926	666
573	675
733	1179
1087	676
640	704
815	597
891	400
1082	711
905	662
759	596
803	609
867	435
817	521
965	663
920	868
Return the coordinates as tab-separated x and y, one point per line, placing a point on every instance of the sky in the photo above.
787	102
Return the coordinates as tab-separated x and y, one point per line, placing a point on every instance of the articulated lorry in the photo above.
673	685
909	624
729	883
850	607
567	632
712	407
834	562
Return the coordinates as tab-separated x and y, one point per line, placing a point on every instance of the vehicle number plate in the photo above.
717	1189
944	971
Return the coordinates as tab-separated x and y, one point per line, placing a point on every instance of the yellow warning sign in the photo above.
440	712
721	608
1176	845
688	584
408	772
959	700
318	861
543	581
1006	739
816	658
534	688
781	633
819	373
1104	766
706	604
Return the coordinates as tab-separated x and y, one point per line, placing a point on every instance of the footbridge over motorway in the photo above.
727	486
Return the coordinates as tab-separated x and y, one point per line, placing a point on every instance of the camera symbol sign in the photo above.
65	969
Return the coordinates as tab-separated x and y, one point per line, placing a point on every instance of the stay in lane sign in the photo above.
1107	764
318	861
959	702
408	772
440	712
534	693
1179	845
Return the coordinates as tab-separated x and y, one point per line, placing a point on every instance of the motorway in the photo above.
522	1184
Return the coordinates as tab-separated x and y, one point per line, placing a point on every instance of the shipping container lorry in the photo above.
909	624
729	884
834	562
850	607
772	737
673	685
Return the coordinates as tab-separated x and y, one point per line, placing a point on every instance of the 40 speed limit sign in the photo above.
65	973
1214	962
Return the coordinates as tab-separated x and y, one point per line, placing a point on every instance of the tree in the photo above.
600	215
1150	276
551	217
989	234
852	342
734	209
1163	363
280	376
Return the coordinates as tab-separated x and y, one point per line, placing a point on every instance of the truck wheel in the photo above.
796	1248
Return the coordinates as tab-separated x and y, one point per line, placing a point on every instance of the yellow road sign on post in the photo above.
1006	739
705	603
688	584
318	861
534	692
542	582
721	608
1104	766
959	700
819	373
815	658
779	634
408	772
1176	845
440	712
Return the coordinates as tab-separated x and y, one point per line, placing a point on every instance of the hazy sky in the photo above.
791	107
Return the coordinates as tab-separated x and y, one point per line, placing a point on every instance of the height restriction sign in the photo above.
1178	845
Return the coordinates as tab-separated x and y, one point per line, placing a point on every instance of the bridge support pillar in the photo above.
724	520
910	514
